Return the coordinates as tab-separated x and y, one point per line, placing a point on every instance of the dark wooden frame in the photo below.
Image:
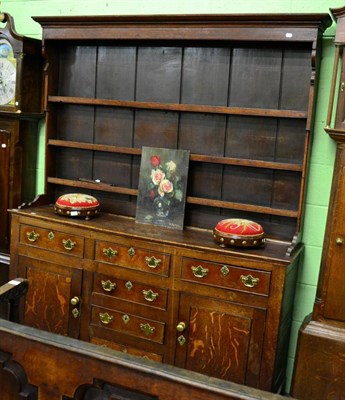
51	366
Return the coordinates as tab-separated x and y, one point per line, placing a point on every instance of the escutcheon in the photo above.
181	340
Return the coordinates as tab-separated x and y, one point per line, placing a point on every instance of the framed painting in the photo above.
162	187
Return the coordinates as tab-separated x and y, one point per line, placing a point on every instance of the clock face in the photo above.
7	81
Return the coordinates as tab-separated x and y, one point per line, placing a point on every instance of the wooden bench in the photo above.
38	365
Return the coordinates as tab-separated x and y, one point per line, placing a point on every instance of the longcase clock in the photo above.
21	67
320	358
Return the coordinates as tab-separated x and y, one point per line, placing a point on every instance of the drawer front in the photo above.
131	291
226	276
128	324
127	349
132	257
51	240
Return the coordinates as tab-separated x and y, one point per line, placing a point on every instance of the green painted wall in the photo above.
323	148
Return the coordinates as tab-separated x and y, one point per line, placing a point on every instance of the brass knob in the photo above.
339	241
181	326
75	300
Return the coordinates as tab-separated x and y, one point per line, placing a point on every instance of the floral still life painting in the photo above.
162	187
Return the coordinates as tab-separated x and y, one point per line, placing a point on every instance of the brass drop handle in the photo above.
75	300
108	286
110	253
249	280
199	271
68	244
106	318
150	295
180	327
152	262
339	241
32	236
147	329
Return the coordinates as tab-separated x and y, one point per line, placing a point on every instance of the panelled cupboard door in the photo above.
220	339
53	300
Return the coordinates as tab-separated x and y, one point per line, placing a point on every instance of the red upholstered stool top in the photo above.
239	232
77	205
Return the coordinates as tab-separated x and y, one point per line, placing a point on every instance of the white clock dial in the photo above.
7	81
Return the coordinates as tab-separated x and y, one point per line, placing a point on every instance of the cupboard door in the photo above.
52	290
220	339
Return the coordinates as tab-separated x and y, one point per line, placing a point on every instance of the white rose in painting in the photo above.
171	166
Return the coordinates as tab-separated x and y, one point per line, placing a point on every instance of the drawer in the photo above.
51	240
226	276
127	349
133	257
128	324
130	290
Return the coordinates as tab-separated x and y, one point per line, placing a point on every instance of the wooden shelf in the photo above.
193	157
106	187
180	107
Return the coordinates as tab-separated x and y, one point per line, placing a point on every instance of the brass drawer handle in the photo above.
110	253
106	318
152	261
199	271
149	295
68	244
32	236
249	280
108	286
147	329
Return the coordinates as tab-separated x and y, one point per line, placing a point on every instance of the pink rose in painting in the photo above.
165	187
157	176
155	161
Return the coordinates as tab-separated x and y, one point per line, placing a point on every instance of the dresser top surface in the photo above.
197	239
